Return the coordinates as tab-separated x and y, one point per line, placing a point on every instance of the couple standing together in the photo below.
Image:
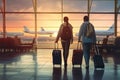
86	41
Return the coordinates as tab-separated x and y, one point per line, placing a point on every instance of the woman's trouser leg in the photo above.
65	46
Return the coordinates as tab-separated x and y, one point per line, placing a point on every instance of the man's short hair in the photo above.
86	18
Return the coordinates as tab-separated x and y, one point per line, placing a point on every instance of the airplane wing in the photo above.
14	34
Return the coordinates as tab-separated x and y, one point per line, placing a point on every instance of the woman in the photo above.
66	38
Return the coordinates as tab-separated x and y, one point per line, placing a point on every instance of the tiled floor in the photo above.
38	66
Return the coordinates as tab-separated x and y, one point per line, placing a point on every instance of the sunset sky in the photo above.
53	21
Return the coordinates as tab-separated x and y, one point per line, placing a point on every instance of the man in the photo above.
66	39
86	41
105	40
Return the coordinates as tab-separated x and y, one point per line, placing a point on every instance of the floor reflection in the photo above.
87	75
77	73
98	74
5	59
10	64
65	76
37	65
57	73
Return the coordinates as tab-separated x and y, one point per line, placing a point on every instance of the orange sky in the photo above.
53	21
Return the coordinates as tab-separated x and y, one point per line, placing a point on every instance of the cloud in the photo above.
54	6
14	5
45	5
102	6
49	6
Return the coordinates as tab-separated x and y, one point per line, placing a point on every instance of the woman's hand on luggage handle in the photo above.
79	41
71	41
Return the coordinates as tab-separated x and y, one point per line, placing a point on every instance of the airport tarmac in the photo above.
37	65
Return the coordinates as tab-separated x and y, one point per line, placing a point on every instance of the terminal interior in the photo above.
34	61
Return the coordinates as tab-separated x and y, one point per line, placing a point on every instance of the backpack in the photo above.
66	33
89	32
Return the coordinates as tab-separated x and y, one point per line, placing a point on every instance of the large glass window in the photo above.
19	6
102	21
18	21
1	23
49	5
118	25
102	6
50	15
74	5
49	20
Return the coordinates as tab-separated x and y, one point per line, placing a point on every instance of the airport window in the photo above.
50	15
74	5
102	6
18	21
1	22
118	24
102	23
19	6
49	20
49	5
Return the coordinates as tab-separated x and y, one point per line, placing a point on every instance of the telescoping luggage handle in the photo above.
79	46
96	50
56	46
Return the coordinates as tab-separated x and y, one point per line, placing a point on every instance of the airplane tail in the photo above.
42	29
111	28
26	29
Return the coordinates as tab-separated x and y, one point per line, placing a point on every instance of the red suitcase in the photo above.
77	56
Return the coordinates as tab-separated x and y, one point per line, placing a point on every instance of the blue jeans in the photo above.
86	52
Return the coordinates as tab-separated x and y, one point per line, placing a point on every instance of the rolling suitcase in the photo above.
97	58
77	56
56	55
